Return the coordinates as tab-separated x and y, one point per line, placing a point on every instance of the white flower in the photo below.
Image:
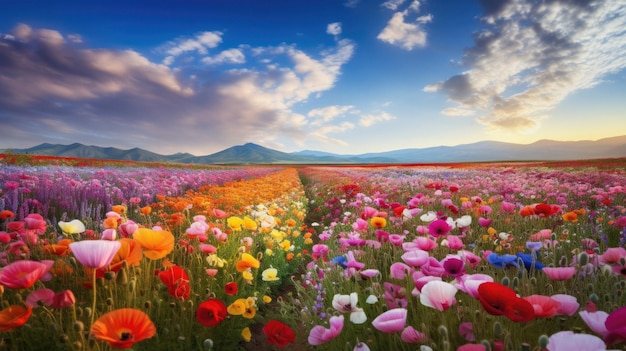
347	303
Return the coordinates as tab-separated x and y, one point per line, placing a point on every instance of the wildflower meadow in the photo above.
486	256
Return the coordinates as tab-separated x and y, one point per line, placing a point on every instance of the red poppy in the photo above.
14	316
500	300
211	312
6	214
177	282
278	333
231	288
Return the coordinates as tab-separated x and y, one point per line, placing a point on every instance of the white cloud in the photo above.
405	35
327	114
200	44
392	4
534	55
455	112
334	28
369	120
233	56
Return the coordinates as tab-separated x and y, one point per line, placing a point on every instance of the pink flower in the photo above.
208	249
469	283
63	299
453	242
568	340
507	207
412	336
454	266
211	272
22	274
568	305
439	227
319	335
544	306
438	294
612	255
95	253
559	273
391	321
415	258
109	234
484	222
43	296
469	257
466	330
399	270
595	321
425	243
471	347
219	213
127	228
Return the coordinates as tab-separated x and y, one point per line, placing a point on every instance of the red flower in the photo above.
211	312
177	282
231	288
278	333
500	300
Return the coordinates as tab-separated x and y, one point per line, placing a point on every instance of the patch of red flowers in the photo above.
500	300
211	312
231	288
279	333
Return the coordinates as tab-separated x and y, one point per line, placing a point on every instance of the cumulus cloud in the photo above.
532	55
54	91
327	114
334	28
200	43
401	30
454	112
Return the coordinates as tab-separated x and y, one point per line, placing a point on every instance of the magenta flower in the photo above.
22	274
454	266
320	335
391	321
439	227
438	294
95	253
616	326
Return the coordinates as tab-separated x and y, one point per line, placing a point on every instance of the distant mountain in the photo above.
250	153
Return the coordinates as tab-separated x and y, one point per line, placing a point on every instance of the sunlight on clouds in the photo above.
321	133
533	56
327	114
200	43
234	56
455	112
371	119
399	31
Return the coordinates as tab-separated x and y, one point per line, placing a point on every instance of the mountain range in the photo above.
250	153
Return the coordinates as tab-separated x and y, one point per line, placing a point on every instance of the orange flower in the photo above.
130	251
119	209
59	249
6	214
14	316
146	210
123	327
111	223
155	243
570	217
247	261
378	222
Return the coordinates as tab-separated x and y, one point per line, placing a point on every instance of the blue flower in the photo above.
530	261
340	260
502	261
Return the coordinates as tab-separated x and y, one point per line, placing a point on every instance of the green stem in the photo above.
93	304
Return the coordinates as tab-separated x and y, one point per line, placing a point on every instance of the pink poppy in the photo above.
95	253
568	305
453	242
471	347
469	257
438	294
466	330
425	243
127	228
399	270
507	207
36	223
612	255
412	336
208	248
41	296
484	222
22	274
544	306
568	340
391	321
439	227
369	273
419	279
595	321
415	258
469	283
219	213
320	335
63	299
454	266
559	273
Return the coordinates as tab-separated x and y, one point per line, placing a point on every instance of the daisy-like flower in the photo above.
348	304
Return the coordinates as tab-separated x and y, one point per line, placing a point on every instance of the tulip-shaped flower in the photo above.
391	321
95	254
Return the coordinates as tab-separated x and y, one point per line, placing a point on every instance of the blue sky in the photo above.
347	77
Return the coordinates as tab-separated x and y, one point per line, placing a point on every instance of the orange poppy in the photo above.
6	214
123	327
570	217
119	209
247	261
130	252
155	243
146	210
14	316
61	248
378	222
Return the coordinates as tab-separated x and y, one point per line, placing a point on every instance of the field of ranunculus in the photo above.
508	256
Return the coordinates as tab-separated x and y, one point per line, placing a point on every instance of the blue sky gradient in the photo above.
346	77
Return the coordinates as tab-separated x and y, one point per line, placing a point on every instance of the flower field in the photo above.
514	256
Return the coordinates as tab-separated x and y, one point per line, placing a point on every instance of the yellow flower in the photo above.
277	235
285	244
246	334
267	299
491	231
269	252
247	261
234	223
238	307
249	312
249	223
214	260
247	275
270	275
